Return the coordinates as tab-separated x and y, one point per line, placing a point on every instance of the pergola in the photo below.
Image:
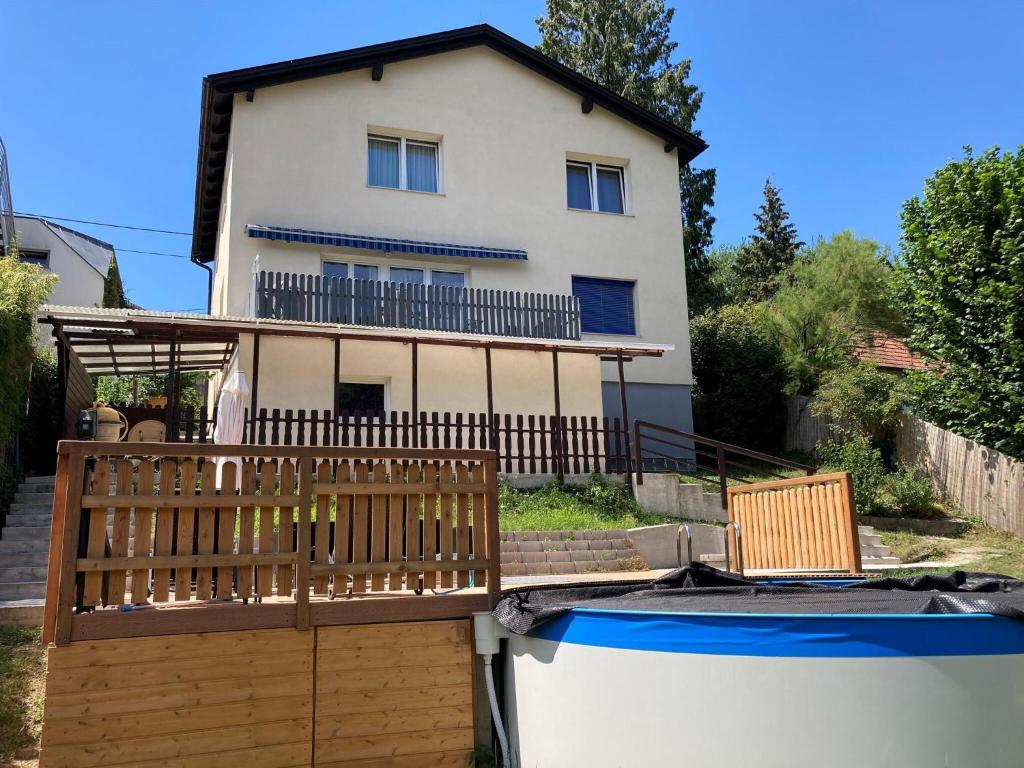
123	342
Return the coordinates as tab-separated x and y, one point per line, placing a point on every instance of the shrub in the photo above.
39	435
907	492
864	463
738	376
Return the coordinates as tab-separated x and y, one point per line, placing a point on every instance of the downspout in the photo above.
209	284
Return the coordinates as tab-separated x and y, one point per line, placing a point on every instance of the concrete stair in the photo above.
24	548
872	551
538	553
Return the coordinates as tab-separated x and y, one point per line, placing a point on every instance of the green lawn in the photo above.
979	549
22	671
572	508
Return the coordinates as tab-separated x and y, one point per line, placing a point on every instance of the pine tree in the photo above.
113	291
624	45
771	251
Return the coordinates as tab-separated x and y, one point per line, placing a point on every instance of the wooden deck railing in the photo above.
142	525
313	298
800	524
525	443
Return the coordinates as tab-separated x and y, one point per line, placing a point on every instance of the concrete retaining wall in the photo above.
657	543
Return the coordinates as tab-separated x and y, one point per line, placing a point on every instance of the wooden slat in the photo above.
479	527
462	523
412	526
186	529
360	528
379	525
121	533
396	523
342	526
97	533
286	516
429	526
227	513
208	486
164	530
265	573
159	502
399	567
445	528
323	522
246	530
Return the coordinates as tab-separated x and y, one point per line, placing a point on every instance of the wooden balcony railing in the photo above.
346	301
273	525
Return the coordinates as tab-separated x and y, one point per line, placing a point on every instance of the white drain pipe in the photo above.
488	634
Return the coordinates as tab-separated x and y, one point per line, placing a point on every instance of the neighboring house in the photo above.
80	261
889	353
458	160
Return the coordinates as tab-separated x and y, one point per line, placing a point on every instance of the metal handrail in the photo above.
739	546
679	545
766	457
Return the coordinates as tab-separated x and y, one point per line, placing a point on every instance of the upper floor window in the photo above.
606	306
39	258
595	187
408	275
400	163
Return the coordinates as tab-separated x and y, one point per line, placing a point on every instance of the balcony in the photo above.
347	301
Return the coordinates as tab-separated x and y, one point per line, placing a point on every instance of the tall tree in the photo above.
771	250
113	290
961	286
624	45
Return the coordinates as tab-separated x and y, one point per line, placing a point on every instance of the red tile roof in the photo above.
888	352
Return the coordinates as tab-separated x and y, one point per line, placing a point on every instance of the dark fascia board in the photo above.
219	90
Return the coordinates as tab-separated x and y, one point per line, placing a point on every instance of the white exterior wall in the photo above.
79	284
298	158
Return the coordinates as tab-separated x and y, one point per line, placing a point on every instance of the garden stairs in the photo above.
541	553
873	553
24	549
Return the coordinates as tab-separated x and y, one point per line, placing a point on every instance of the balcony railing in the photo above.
346	301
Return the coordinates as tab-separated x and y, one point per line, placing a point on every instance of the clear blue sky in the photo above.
847	105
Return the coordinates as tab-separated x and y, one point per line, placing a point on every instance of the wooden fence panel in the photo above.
802	524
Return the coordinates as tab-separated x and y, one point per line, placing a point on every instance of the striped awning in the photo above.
388	244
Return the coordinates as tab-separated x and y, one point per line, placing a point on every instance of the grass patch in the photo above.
22	673
910	548
596	506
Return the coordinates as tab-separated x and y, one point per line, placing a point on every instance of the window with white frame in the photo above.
392	273
400	163
595	187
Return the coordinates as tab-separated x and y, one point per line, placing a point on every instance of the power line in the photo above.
151	253
104	224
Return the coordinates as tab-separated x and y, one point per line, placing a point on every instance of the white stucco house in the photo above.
452	235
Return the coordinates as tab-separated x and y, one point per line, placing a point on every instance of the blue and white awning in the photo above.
388	244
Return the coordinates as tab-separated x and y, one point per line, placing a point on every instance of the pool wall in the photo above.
600	688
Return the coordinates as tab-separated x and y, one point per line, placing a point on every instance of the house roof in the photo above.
219	90
95	252
890	352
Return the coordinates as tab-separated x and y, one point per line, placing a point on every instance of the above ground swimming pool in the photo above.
704	668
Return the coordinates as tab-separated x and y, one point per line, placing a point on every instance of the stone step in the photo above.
880	551
31	497
870	562
18	559
37	488
608	533
565	546
27	533
40	507
870	540
575	556
22	590
544	569
28	519
21	572
17	546
25	613
45	479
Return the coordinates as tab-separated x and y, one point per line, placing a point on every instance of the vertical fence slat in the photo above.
322	527
226	527
445	527
396	523
462	522
360	528
430	525
186	528
247	530
285	529
265	573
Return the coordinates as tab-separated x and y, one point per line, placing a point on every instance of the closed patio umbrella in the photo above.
234	394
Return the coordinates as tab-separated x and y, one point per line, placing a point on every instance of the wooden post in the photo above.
415	395
254	390
625	418
60	496
64	569
723	485
493	536
853	538
170	410
62	381
337	389
557	447
490	399
303	552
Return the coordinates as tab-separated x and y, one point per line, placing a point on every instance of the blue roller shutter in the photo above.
606	306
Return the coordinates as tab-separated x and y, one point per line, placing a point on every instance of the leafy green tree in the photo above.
860	400
113	290
839	291
624	45
739	375
771	251
960	282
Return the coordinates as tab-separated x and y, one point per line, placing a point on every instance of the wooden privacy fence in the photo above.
800	524
149	524
525	444
349	301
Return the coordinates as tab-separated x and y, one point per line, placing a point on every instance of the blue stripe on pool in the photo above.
817	636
